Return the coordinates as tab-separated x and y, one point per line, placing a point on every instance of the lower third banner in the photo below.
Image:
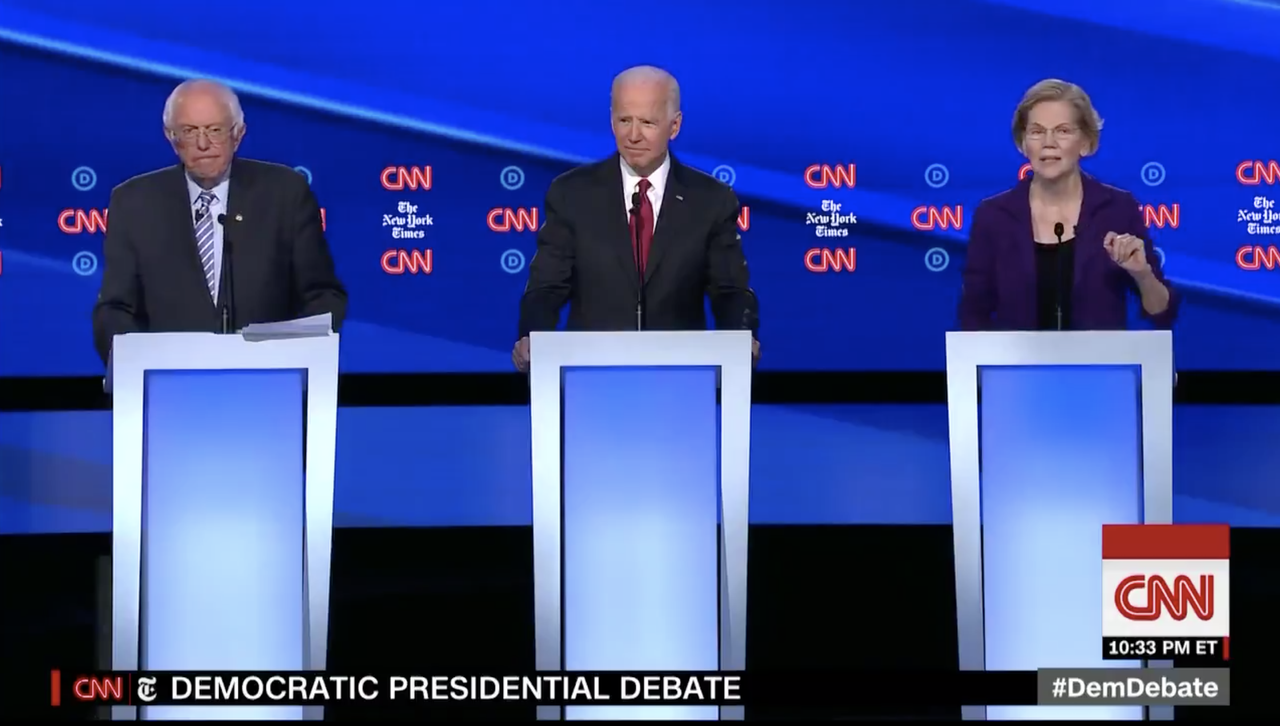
723	688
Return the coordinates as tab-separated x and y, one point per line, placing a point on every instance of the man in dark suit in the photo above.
638	214
214	242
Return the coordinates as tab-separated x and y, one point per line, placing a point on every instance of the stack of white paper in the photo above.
313	326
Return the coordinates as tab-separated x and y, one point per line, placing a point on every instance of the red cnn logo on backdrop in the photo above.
1166	581
926	218
825	259
1254	172
413	262
400	178
82	221
506	219
826	176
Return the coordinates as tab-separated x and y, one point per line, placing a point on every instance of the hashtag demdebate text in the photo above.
1145	686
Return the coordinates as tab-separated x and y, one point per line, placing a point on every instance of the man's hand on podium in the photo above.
520	355
755	351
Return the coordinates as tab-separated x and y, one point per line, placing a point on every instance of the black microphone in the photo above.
228	275
639	250
1058	229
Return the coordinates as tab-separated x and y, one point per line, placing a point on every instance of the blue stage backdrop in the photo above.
859	137
822	464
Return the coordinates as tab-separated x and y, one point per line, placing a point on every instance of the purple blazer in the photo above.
999	278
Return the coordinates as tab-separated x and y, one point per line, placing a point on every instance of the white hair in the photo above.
651	74
229	97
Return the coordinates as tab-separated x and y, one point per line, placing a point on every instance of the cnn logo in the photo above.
1158	597
1169	581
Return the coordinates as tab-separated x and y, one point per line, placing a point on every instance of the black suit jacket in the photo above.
585	256
152	281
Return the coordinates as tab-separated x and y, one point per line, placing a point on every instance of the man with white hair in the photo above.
638	241
215	242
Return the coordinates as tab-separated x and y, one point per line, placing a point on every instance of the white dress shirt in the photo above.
657	181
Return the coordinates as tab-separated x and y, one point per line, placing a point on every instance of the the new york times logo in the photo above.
146	689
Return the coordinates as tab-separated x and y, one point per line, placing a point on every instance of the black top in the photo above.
1054	268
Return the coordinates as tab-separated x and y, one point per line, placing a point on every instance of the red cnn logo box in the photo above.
1166	581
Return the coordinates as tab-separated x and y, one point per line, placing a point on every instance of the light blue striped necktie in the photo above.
204	236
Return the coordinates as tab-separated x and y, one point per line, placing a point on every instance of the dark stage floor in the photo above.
461	599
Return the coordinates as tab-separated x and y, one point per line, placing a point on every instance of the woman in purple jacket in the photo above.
1061	250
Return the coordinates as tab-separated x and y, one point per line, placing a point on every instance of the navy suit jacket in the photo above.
999	278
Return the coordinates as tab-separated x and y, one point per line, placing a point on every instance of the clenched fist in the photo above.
1127	251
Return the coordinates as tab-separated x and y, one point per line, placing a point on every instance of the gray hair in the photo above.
229	97
651	74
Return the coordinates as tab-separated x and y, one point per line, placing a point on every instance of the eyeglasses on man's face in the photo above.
217	134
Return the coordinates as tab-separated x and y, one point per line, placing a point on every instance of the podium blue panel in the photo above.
222	528
640	505
1061	455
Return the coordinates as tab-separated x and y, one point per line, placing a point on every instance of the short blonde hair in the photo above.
1052	89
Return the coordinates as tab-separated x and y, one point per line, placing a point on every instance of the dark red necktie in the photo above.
641	240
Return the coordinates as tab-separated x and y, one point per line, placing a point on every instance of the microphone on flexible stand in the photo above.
636	241
228	283
1058	229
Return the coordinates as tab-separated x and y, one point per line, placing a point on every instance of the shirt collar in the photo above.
658	178
219	190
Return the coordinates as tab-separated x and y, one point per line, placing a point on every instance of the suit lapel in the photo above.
619	224
1094	199
671	219
178	210
1024	249
238	192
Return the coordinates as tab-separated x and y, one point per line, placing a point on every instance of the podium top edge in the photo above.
193	344
1146	348
648	333
729	351
140	352
1076	334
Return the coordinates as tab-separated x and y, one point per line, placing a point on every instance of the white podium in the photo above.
633	465
1053	434
223	460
